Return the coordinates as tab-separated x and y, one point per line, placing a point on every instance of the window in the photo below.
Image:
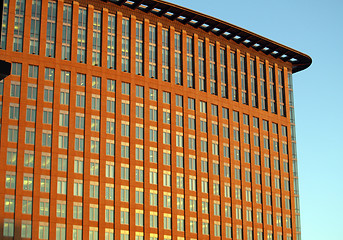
95	124
139	196
109	215
124	172
31	114
47	116
125	108
265	125
62	186
193	226
125	151
191	103
77	233
16	68
77	211
62	163
153	155
228	211
153	177
247	176
237	154
9	204
235	116
204	206
78	189
153	198
32	92
27	183
204	165
45	184
95	102
153	220
179	140
11	156
275	145
167	200
78	165
215	129
45	161
110	126
94	190
79	143
124	194
93	212
30	136
65	76
167	222
236	135
44	207
204	186
180	182
238	193
246	137
180	202
14	112
26	229
111	105
8	230
12	133
179	161
214	110
266	143
49	73
153	94
217	231
96	82
95	145
179	120
191	142
179	100
245	119
64	97
167	179
192	184
203	107
180	224
139	218
192	163
139	111
139	175
227	170
166	116
15	89
193	205
203	145
166	137
43	231
215	148
27	205
80	79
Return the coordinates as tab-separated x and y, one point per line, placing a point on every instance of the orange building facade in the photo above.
144	120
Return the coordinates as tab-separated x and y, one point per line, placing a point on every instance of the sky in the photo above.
315	28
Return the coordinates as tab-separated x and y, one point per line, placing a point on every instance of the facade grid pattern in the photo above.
116	124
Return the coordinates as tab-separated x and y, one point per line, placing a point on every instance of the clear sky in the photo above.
315	28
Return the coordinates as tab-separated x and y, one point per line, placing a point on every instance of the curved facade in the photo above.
144	120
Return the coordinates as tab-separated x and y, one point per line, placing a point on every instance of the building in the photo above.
142	119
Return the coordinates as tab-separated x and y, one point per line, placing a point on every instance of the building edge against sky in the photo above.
143	119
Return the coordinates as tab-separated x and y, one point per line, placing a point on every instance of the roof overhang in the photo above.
299	61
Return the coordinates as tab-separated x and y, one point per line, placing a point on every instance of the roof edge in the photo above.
299	60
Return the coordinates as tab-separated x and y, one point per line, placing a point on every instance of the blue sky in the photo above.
315	28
